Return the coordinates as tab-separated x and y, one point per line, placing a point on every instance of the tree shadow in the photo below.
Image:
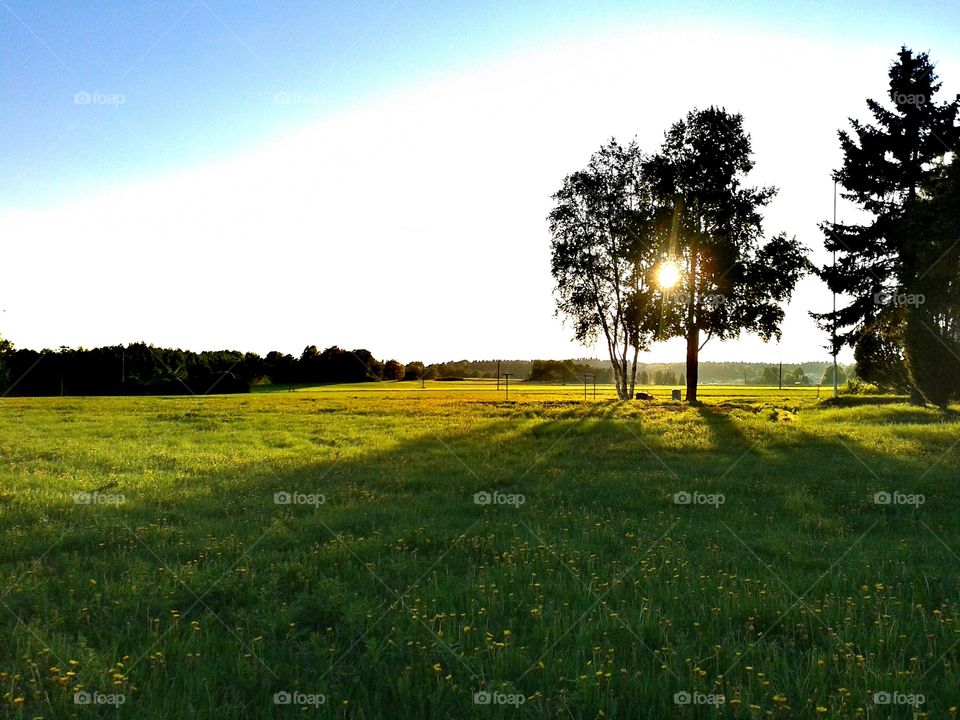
341	591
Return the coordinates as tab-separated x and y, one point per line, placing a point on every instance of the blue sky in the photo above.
199	77
270	175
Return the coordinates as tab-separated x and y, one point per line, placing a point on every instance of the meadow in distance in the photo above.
571	558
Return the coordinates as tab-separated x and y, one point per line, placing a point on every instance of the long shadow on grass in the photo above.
508	556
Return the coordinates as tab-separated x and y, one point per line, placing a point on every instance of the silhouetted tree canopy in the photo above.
732	280
393	370
138	368
888	166
932	327
602	253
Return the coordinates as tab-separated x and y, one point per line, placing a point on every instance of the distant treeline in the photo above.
728	373
711	373
141	369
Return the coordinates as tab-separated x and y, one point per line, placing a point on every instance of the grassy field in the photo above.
446	553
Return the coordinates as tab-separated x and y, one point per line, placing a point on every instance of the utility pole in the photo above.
498	374
780	382
507	377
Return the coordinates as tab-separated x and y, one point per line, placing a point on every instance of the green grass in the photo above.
399	596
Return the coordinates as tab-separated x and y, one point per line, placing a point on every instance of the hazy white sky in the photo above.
413	223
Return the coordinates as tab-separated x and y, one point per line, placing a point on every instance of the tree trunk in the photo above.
693	331
618	378
633	373
627	392
915	397
693	366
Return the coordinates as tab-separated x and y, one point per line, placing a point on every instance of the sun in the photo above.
667	275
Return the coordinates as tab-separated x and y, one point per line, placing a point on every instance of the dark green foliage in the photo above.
393	370
770	375
732	279
567	371
827	378
141	369
6	347
664	377
879	352
796	376
413	370
886	166
932	357
932	330
603	251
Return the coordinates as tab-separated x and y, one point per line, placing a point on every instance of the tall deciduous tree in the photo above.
732	279
886	165
601	255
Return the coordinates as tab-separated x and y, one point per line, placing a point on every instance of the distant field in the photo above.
585	588
487	389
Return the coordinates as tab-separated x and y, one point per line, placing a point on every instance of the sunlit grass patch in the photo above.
631	559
